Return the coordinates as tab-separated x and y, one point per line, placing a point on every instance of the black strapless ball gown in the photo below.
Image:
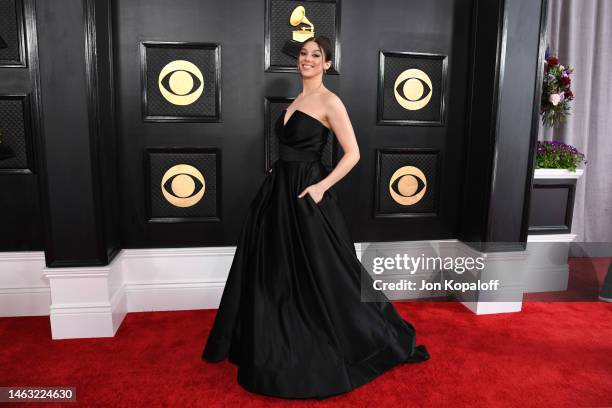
291	316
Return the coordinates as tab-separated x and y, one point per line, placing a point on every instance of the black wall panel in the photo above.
103	127
502	122
551	206
486	44
509	216
87	140
80	152
12	33
66	130
20	213
439	27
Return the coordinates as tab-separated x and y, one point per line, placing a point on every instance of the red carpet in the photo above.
551	354
548	355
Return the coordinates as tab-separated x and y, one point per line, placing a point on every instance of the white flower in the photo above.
562	67
555	99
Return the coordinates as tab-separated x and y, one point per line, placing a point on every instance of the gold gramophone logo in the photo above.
181	82
407	185
306	30
413	89
183	185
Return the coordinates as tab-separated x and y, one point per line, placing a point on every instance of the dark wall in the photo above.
20	213
79	148
232	24
502	125
84	114
66	129
102	124
517	121
440	26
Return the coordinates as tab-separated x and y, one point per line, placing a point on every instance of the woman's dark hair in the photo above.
324	43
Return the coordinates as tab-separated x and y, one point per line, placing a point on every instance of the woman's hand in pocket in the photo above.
315	191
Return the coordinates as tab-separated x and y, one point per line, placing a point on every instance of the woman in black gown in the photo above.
291	316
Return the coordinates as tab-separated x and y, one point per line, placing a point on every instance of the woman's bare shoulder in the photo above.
332	101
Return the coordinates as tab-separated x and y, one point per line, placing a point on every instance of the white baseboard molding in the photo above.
552	278
487	308
547	262
86	301
92	301
172	295
23	290
175	279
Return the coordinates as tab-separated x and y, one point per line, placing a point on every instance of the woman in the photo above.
291	315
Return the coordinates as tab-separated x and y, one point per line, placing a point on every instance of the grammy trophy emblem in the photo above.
305	31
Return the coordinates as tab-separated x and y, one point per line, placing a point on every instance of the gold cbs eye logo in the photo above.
407	185
183	185
413	89
181	82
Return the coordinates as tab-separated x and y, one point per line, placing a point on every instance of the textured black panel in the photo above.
552	206
549	206
156	57
21	220
388	163
322	14
393	64
14	125
206	161
274	109
11	29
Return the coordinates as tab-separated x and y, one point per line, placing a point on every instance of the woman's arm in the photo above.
341	125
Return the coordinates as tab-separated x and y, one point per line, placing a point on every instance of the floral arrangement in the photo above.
557	155
556	92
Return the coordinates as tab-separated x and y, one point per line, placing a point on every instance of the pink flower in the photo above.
555	99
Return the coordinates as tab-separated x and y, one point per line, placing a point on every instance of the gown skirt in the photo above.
291	316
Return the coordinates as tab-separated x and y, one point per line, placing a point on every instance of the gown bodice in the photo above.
302	132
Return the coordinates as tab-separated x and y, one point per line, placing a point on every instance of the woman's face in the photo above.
311	60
